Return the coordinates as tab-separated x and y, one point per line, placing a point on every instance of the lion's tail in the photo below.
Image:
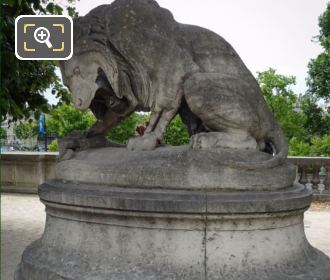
276	139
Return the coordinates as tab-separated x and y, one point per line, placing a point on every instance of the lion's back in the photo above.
212	53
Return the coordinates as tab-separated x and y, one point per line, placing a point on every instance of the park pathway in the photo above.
23	218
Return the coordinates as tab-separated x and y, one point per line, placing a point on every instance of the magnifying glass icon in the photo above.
41	35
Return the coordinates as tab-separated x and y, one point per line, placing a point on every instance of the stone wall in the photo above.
23	172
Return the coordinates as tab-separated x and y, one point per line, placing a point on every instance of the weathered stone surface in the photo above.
88	236
23	172
174	168
132	55
174	201
224	208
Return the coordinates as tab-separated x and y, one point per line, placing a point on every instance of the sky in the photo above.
265	33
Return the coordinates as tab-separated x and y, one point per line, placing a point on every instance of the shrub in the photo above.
25	130
53	147
176	133
126	129
321	146
3	133
65	118
298	148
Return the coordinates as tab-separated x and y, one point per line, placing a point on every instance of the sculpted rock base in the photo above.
174	168
107	232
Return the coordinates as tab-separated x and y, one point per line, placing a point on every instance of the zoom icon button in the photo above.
43	37
39	35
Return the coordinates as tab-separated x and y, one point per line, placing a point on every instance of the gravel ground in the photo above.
320	206
23	218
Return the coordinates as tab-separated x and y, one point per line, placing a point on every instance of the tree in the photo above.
305	123
298	148
319	146
23	82
26	130
3	133
65	118
176	133
319	68
126	128
283	102
317	120
3	136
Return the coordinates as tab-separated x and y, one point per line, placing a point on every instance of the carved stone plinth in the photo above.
131	231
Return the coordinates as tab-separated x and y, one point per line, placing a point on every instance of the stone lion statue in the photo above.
132	55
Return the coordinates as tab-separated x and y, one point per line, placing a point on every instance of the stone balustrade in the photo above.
24	171
314	172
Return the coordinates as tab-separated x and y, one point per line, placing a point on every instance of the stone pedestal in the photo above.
112	228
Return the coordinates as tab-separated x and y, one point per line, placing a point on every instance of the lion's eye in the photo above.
76	71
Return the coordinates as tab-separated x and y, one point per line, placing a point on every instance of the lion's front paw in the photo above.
198	141
69	144
142	143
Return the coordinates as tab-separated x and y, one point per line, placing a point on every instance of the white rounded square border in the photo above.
53	58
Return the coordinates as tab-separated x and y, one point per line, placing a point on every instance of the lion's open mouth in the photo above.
105	98
99	104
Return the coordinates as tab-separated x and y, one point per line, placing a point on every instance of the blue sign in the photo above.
42	125
3	149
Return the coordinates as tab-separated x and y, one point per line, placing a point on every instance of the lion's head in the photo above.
92	74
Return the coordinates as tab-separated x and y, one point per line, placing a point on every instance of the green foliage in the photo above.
319	68
319	146
25	130
3	133
65	118
298	148
53	147
324	24
176	133
319	76
126	129
317	121
305	124
23	82
3	136
283	102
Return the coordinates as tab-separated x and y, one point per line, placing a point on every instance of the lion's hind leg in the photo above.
221	103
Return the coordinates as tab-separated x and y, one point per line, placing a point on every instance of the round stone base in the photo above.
175	168
96	232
